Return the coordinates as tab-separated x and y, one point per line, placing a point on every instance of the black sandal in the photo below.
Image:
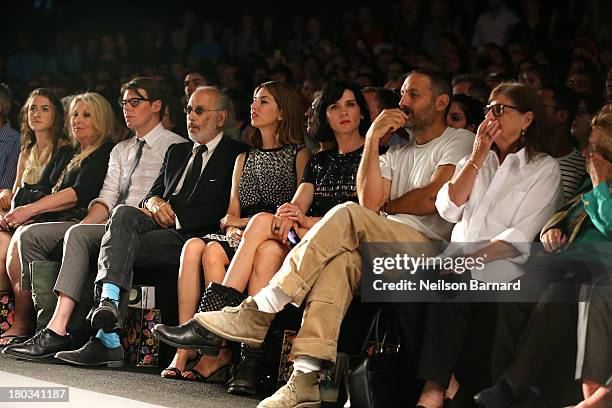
219	376
178	375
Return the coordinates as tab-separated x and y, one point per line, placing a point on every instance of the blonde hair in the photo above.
103	120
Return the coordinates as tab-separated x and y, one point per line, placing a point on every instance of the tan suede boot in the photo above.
301	391
244	323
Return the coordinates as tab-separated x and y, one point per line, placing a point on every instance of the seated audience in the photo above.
133	166
188	198
264	178
340	117
71	179
523	347
324	269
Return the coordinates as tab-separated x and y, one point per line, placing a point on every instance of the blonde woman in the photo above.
42	133
72	178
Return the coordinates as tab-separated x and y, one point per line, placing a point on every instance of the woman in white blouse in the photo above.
504	192
499	197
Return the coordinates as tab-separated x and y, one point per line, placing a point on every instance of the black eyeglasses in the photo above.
134	102
199	110
498	109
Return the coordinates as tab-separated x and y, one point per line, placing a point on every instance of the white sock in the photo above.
271	299
305	364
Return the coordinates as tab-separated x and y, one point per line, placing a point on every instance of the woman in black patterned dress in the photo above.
264	178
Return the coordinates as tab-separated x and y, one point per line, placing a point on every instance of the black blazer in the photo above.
210	199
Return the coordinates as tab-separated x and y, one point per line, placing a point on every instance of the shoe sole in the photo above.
256	343
252	342
110	364
29	358
103	320
209	351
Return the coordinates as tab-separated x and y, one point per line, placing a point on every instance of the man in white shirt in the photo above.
324	269
133	166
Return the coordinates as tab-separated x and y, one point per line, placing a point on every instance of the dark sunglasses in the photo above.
498	109
134	102
199	110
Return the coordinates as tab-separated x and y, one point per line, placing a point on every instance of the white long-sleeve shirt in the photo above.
509	202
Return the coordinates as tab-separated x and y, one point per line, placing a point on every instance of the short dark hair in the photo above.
565	98
387	99
332	91
440	85
151	87
527	100
206	73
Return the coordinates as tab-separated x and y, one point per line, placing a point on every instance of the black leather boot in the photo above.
248	373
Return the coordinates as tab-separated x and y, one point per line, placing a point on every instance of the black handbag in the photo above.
376	380
27	195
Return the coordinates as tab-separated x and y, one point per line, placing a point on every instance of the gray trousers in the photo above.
131	238
81	244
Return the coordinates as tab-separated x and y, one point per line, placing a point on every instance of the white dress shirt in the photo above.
509	202
121	159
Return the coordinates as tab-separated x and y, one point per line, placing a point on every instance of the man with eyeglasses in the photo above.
188	198
133	167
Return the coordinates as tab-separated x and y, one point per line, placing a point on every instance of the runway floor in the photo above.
128	386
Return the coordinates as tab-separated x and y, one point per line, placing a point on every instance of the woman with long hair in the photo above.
42	133
71	179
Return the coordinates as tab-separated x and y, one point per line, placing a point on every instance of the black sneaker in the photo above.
106	316
42	345
93	353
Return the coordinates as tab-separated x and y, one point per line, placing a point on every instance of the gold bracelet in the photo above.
471	162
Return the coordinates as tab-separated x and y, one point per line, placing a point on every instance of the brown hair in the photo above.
527	100
291	128
28	138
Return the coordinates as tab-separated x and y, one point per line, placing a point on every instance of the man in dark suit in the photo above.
187	199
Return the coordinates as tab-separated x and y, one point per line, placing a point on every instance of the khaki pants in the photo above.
325	269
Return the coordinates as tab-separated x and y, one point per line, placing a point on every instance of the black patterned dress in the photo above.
268	180
334	176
